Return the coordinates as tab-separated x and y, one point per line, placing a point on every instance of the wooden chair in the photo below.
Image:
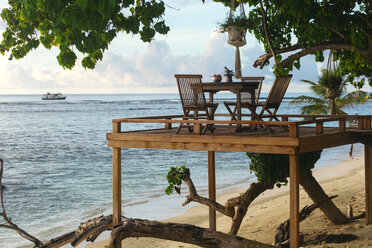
245	97
273	100
193	100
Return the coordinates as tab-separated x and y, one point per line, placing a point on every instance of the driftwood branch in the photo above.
282	231
178	232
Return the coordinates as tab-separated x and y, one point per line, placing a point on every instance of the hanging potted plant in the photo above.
236	27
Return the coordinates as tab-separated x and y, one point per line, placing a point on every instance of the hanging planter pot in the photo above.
236	36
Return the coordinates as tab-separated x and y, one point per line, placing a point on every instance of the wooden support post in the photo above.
168	125
294	222
360	120
319	127
212	188
116	180
367	122
368	178
197	128
293	131
239	110
342	125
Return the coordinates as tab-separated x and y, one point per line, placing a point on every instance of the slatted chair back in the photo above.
277	92
191	91
193	100
246	96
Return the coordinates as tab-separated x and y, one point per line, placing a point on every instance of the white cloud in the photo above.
148	71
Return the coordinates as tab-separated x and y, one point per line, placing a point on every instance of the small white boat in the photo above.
53	96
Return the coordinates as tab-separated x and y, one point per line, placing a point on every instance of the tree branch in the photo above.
193	196
245	200
261	61
364	19
325	46
264	15
242	202
336	45
338	33
178	232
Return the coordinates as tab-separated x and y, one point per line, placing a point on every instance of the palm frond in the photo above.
307	99
354	98
315	109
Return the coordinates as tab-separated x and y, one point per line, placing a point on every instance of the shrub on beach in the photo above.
274	169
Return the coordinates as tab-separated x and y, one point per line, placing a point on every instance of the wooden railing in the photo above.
363	122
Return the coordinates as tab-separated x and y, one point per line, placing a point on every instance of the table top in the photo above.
233	86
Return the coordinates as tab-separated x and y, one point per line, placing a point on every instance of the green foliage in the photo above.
174	178
274	168
228	72
236	21
318	25
87	25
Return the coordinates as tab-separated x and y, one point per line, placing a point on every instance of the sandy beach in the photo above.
272	208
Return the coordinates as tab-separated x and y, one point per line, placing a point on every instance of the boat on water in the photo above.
53	96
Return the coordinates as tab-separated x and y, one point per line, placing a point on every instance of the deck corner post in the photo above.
368	182
116	180
212	188
116	177
294	174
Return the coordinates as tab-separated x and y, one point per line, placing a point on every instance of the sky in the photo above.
192	46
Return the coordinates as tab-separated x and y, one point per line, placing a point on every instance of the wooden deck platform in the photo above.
285	137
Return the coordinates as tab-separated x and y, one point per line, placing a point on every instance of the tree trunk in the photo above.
245	200
178	232
317	194
333	106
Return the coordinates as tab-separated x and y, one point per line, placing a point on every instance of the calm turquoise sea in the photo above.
58	166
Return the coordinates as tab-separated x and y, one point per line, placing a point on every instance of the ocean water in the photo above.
57	166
